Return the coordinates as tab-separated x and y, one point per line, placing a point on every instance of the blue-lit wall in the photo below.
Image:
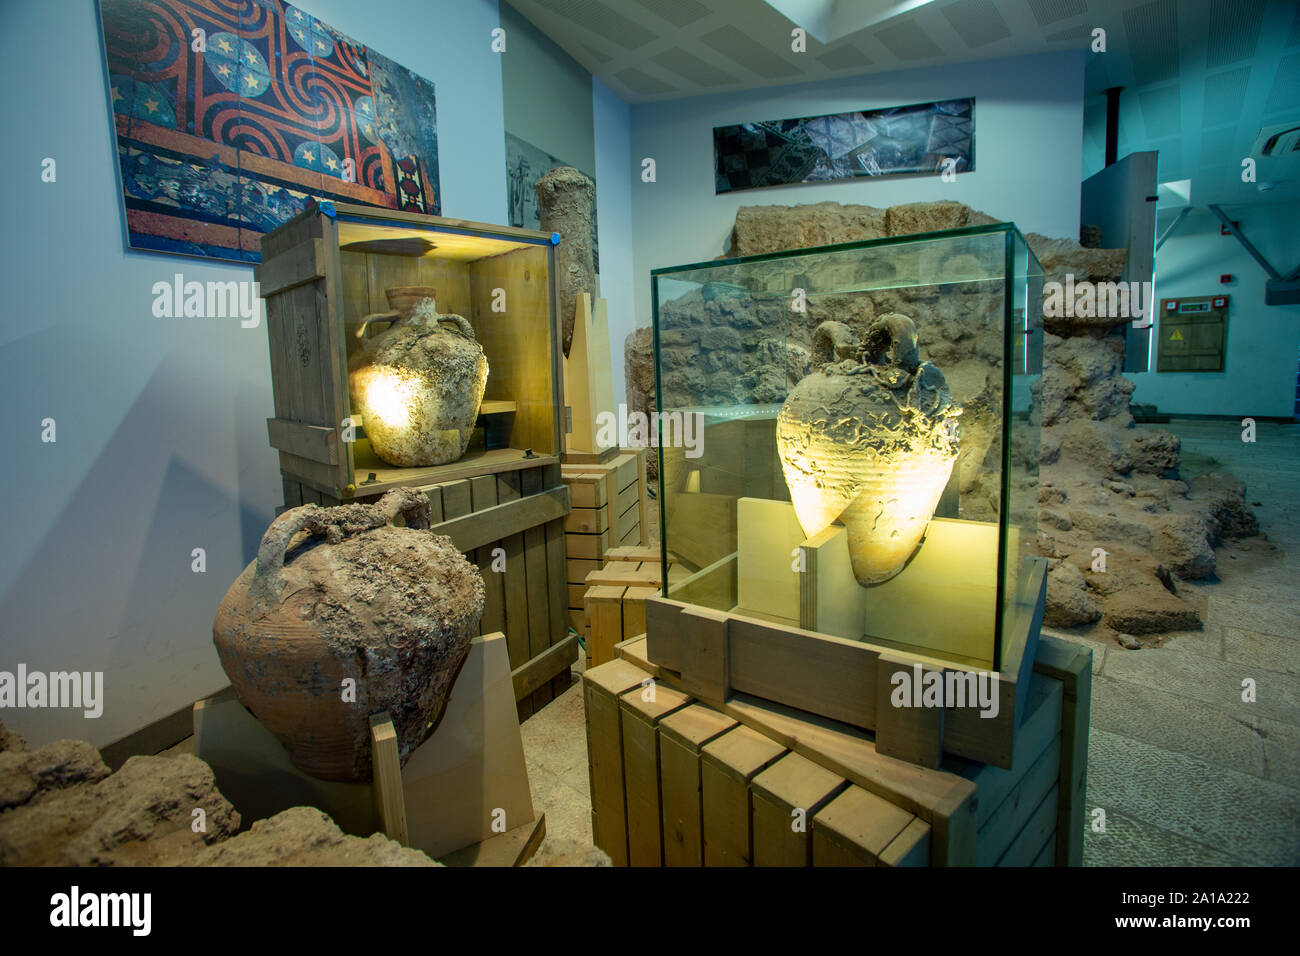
161	423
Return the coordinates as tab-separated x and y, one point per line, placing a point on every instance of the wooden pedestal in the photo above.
466	784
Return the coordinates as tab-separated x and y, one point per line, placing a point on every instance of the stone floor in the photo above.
1186	772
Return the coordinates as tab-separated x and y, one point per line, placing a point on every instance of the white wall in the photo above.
161	428
1260	370
1028	134
614	175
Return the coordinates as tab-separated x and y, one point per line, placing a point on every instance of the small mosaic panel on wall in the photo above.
233	115
917	139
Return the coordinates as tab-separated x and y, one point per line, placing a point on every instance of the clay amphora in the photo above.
868	439
344	615
419	383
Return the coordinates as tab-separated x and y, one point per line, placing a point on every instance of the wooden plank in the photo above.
604	607
1025	847
515	592
1009	818
483	495
390	801
301	264
556	571
576	593
626	574
587	520
473	530
705	656
728	763
913	732
292	492
627	531
1072	665
682	734
643	494
543	668
434	495
909	848
601	688
476	461
587	545
535	573
663	638
638	553
642	709
313	442
1047	855
786	797
854	829
457	502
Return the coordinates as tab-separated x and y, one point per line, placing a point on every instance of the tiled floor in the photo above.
1186	772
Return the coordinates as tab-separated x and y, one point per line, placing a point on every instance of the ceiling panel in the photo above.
602	20
680	13
1233	31
1161	111
692	68
1224	93
1047	12
1285	92
1153	34
977	22
844	57
908	41
741	49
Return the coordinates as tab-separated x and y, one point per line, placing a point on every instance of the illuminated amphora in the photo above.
868	439
418	384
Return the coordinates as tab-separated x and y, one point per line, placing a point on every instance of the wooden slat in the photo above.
855	828
604	607
577	569
587	490
303	263
516	595
638	553
626	574
682	734
587	545
390	801
601	688
786	796
473	530
627	522
556	572
483	495
705	655
1025	847
909	848
1072	665
313	442
587	520
292	492
539	670
1011	816
642	708
535	568
728	763
456	503
634	611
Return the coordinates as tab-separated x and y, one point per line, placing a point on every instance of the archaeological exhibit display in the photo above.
338	595
843	414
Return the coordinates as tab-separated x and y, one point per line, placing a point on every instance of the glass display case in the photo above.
848	438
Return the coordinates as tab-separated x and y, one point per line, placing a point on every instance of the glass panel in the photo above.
813	471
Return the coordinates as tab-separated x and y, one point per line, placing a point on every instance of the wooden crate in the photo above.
609	502
763	785
613	599
717	651
505	507
326	269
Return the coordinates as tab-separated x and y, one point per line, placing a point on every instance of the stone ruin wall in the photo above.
1101	483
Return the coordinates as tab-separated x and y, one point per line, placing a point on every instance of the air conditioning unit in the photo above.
1281	140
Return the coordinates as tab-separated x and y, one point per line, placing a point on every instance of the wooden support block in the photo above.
386	762
705	656
682	734
601	688
728	763
913	732
787	795
642	709
855	828
634	611
604	606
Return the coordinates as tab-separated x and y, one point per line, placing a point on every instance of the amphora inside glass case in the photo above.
849	437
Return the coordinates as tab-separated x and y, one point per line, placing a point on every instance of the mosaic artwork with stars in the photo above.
885	142
233	115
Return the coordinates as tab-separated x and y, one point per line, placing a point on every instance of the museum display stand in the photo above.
462	796
857	516
323	273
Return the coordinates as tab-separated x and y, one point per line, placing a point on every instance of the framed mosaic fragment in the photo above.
232	116
925	138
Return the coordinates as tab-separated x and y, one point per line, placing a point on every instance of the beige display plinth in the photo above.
465	785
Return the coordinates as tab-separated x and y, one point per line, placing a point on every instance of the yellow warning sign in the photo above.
1177	336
